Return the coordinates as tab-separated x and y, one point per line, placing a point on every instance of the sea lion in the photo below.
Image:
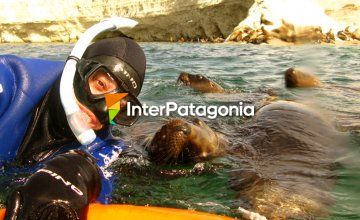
356	34
239	33
288	162
329	37
295	78
310	34
257	36
286	32
265	21
284	157
182	142
343	35
199	82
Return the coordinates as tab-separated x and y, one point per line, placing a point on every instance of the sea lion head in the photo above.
179	141
295	78
199	82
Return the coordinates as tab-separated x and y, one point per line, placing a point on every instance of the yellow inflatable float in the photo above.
115	212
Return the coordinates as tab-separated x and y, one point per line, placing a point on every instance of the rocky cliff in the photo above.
305	21
184	20
159	20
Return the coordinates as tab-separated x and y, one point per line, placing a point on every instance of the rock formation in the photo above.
305	21
159	20
261	21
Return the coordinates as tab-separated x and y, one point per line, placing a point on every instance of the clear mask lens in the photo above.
100	82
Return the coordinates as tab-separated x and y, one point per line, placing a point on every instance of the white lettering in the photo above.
200	110
183	110
211	111
170	107
154	110
162	109
252	111
223	111
145	109
132	109
58	177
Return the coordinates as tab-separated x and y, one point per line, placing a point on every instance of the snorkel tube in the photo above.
76	118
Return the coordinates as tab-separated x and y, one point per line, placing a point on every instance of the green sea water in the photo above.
248	70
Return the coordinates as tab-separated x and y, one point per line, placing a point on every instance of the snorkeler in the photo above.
34	131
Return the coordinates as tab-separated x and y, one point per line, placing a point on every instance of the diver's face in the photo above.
99	83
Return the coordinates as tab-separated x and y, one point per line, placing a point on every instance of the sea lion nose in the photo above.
183	77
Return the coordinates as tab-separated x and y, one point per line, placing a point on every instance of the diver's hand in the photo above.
62	189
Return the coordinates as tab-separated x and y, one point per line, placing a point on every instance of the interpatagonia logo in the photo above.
113	103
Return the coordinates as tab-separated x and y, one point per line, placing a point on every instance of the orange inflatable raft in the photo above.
115	212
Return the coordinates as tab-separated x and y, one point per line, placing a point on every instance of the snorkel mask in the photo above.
76	118
117	73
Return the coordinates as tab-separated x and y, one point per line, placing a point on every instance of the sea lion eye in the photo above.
199	76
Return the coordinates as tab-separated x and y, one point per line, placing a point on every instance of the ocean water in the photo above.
248	72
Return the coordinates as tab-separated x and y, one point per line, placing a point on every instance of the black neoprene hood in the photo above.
123	59
126	50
